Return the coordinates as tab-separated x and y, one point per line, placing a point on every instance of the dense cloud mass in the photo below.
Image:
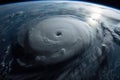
59	41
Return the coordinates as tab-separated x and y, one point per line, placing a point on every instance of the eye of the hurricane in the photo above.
60	37
58	34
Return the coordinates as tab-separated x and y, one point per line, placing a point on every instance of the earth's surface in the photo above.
59	40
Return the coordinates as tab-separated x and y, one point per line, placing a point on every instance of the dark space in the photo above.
111	3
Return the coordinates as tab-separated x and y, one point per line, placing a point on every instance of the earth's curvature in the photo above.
59	40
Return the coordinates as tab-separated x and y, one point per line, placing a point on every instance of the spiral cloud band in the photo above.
58	38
